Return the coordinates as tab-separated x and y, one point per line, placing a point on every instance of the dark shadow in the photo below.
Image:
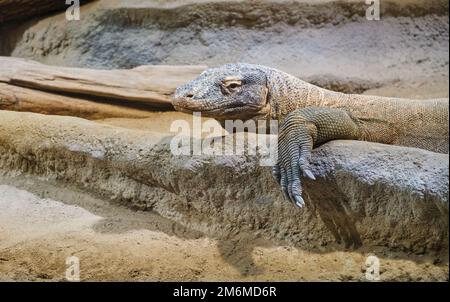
338	220
11	33
12	29
101	99
26	10
237	251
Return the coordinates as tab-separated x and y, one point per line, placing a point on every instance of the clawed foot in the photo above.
294	153
289	180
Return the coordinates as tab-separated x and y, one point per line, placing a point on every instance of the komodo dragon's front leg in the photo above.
300	131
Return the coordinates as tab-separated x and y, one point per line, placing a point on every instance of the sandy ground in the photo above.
43	223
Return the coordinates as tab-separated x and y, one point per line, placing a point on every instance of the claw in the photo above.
283	183
294	151
276	173
309	174
299	202
286	195
289	183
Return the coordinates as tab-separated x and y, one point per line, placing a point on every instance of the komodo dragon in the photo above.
310	116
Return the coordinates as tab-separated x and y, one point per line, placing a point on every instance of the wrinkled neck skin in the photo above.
285	93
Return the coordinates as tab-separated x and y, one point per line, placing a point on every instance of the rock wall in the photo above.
330	43
366	194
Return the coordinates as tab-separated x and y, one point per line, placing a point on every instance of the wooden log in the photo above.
149	85
22	99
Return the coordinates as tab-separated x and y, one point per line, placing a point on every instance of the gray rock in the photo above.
325	42
365	194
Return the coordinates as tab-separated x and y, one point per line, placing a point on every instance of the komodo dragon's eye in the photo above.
231	85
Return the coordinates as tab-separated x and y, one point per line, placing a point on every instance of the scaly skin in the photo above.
310	116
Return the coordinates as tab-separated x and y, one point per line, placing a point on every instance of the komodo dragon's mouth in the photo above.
225	109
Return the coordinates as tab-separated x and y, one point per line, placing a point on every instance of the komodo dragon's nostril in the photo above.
189	95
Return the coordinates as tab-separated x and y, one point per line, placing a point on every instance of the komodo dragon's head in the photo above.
231	91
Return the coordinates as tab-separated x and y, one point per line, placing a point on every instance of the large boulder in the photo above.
365	194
